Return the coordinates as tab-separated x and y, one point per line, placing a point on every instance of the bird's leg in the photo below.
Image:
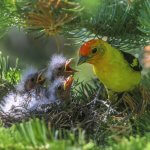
116	100
97	96
114	96
95	100
111	95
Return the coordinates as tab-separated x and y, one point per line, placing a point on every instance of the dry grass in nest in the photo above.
138	100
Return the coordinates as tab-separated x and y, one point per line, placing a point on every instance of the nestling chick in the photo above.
18	104
59	66
15	104
20	100
60	89
31	79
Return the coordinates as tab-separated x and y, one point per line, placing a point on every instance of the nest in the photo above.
138	100
94	118
98	117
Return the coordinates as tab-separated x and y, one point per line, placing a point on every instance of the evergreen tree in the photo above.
125	24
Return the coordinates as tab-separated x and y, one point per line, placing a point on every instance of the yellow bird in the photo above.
119	71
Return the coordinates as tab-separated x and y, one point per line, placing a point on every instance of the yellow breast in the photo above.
116	74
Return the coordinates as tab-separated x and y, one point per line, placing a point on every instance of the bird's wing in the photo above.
133	61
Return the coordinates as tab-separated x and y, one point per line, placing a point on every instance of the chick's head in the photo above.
60	89
33	81
59	66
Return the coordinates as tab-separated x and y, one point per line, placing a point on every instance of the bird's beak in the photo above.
68	82
82	60
41	77
68	69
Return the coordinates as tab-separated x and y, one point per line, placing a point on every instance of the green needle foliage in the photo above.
7	72
35	135
117	20
144	18
8	16
81	124
9	75
133	143
124	22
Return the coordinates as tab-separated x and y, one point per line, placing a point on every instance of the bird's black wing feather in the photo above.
133	61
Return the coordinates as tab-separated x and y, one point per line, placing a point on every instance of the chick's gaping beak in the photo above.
41	77
68	82
68	69
82	60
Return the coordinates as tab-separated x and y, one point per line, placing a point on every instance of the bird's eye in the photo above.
59	68
39	79
32	79
94	50
59	87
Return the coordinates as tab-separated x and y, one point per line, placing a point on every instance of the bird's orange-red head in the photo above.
90	51
85	49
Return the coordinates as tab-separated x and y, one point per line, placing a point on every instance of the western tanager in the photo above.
119	71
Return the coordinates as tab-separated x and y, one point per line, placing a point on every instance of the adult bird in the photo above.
119	71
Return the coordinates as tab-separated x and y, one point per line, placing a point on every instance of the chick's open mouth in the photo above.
68	82
69	69
41	78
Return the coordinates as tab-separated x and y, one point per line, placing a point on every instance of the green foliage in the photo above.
144	17
141	125
9	75
7	139
85	92
9	72
117	20
90	7
47	18
8	16
133	143
126	25
114	18
35	135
